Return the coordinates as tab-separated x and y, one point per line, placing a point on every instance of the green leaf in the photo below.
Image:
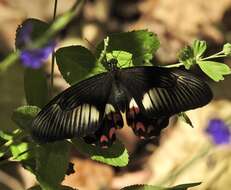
6	140
214	70
30	163
124	58
5	136
141	44
2	153
184	186
151	187
76	63
143	187
116	155
62	187
186	57
19	151
35	86
24	115
51	164
199	48
227	49
34	27
183	116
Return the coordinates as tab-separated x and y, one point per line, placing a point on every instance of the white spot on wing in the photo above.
133	104
146	101
85	114
109	108
151	93
74	116
94	114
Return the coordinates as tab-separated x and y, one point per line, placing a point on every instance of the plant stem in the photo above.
53	54
8	61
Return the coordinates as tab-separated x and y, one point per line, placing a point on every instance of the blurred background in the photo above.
182	154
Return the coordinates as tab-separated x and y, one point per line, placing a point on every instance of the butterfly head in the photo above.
112	64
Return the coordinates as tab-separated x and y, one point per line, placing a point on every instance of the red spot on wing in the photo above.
133	111
103	138
136	110
112	132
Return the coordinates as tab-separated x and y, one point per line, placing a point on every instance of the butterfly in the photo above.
147	96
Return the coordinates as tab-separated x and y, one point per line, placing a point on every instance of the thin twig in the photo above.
53	54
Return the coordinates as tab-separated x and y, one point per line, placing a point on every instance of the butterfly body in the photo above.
147	95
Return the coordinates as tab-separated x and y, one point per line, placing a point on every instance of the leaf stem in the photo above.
174	65
53	54
213	57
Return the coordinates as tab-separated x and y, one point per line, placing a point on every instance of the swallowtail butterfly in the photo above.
147	96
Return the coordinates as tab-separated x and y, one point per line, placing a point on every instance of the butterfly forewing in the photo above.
157	94
78	111
161	91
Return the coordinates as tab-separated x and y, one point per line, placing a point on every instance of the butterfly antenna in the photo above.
90	44
102	58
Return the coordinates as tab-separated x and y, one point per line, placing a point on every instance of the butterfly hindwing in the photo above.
78	111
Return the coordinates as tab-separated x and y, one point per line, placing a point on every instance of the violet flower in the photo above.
219	131
32	58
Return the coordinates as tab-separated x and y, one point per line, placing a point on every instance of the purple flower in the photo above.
32	58
219	131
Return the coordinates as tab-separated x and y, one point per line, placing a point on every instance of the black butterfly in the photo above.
148	96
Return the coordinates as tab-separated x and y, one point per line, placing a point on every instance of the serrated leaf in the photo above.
124	58
116	155
186	56
183	116
51	164
214	70
199	48
24	115
35	87
141	44
34	27
151	187
76	63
